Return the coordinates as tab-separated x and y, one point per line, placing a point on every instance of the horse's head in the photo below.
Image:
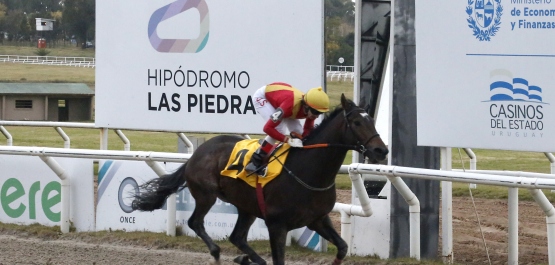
362	132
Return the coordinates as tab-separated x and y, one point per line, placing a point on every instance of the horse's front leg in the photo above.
239	238
324	227
278	235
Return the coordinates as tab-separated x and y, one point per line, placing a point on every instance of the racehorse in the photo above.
302	195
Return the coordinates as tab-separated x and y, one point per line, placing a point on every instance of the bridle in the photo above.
358	147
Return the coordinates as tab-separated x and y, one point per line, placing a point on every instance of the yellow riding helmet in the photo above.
317	99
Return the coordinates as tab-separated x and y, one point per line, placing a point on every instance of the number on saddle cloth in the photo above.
240	156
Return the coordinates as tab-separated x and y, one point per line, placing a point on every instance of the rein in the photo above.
295	176
358	147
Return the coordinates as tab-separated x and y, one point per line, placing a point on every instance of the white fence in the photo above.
88	62
340	73
532	181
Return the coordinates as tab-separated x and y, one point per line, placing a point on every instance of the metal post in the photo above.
414	214
65	196
513	226
9	139
64	136
126	143
446	208
549	211
472	157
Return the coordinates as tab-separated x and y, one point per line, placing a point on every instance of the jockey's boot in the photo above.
259	159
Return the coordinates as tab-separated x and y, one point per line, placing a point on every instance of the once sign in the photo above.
484	74
192	65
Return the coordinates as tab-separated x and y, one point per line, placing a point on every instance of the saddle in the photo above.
241	155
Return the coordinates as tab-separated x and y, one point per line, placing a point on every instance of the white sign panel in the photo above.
485	74
119	181
30	192
192	65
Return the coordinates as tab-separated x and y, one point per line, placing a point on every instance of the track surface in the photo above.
468	245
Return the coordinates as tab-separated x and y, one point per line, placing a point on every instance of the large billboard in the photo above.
118	181
484	74
192	65
31	193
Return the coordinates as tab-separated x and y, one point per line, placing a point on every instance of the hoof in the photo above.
214	262
242	259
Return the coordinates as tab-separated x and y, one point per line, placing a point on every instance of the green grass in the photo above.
499	160
30	73
334	90
503	160
67	51
16	72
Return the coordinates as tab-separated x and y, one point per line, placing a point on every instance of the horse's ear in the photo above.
344	101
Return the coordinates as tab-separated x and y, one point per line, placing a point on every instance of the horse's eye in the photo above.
357	123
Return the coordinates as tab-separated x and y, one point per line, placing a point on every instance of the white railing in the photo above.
340	73
59	125
340	68
50	60
46	154
357	172
534	184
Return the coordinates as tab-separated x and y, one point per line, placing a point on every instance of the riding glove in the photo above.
295	142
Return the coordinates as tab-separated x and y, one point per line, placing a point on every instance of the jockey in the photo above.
282	106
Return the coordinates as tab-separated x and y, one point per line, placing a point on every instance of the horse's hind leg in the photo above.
278	235
324	227
239	238
196	222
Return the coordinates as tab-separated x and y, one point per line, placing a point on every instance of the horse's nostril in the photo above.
381	151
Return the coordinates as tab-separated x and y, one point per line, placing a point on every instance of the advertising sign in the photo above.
484	74
119	181
30	192
192	65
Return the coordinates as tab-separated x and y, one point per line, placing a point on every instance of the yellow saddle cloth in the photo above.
241	155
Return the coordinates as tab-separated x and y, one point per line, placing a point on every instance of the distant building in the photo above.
46	102
44	24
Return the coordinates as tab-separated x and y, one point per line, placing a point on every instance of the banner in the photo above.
168	65
484	74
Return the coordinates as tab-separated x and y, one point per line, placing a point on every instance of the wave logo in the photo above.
504	87
516	106
179	45
484	18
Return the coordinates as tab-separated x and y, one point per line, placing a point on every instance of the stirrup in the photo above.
257	171
265	169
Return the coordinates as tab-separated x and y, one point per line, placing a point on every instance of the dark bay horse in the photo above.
302	195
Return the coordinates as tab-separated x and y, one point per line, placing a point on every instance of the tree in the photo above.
342	9
338	32
15	23
3	11
78	18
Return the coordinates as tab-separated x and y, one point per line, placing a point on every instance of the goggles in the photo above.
314	111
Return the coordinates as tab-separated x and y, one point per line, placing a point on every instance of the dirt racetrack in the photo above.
468	244
20	248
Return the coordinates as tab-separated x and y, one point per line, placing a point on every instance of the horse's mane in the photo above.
327	117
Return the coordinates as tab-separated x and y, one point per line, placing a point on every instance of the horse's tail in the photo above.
153	193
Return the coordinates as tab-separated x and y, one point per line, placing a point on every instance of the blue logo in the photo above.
518	90
484	18
516	106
